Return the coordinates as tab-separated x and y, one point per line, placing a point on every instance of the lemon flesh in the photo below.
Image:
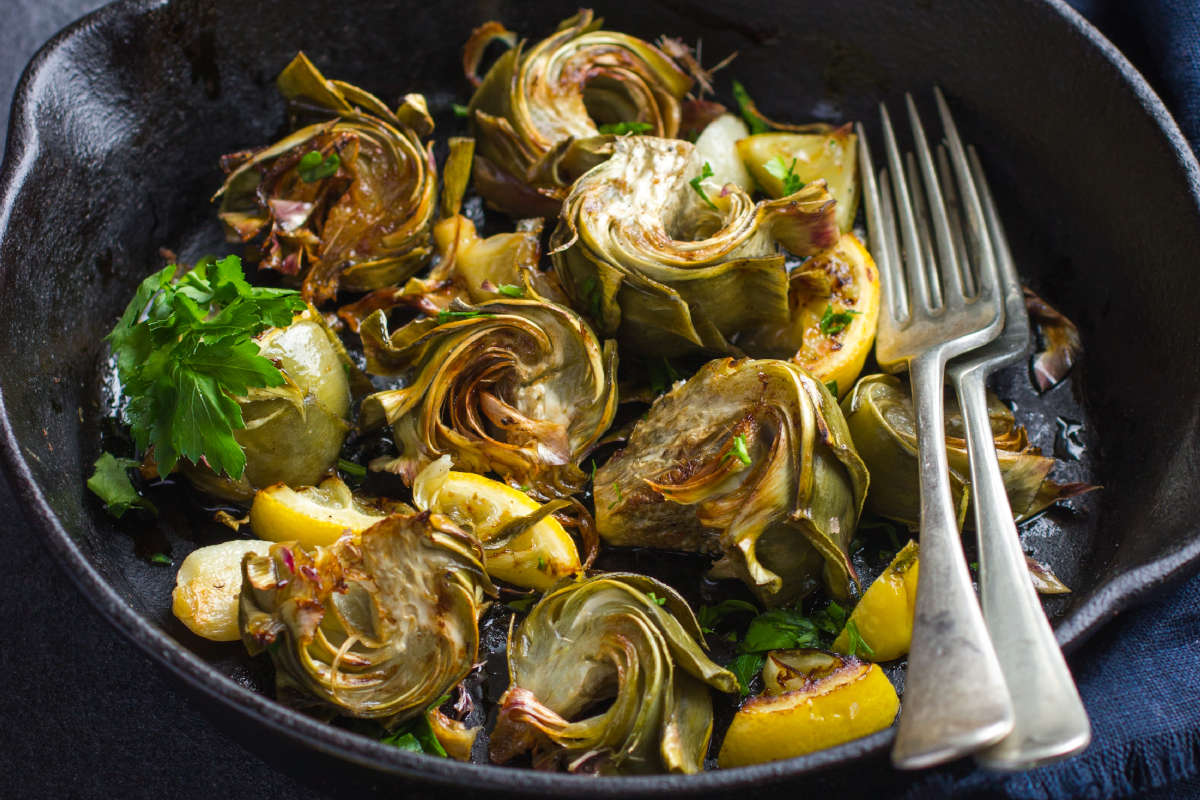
884	615
314	515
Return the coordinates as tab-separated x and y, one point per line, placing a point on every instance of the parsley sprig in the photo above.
416	735
705	172
313	168
834	322
786	173
623	128
110	482
185	351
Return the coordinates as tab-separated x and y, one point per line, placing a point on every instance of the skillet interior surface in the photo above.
112	155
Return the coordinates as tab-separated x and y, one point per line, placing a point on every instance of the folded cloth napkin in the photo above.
1140	676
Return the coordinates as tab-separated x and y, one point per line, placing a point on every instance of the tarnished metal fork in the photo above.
1050	720
936	308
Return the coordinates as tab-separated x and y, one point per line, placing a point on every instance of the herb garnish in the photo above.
623	128
738	451
710	616
749	111
447	316
662	601
835	322
541	564
110	482
779	168
857	642
416	735
185	350
833	388
350	468
313	168
705	172
460	110
509	290
161	558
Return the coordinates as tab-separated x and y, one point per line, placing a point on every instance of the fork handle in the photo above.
1050	720
955	699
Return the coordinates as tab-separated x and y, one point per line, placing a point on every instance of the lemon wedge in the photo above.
314	515
884	615
535	558
823	700
777	161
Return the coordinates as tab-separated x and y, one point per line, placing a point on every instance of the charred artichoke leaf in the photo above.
379	625
673	263
1059	339
518	387
620	637
294	432
750	460
880	416
355	215
537	112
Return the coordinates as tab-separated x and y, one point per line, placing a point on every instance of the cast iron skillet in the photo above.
119	121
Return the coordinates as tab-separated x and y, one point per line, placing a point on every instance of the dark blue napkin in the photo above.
1140	676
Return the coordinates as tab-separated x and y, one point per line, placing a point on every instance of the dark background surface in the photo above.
87	715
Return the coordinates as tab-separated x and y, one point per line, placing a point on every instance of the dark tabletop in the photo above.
88	716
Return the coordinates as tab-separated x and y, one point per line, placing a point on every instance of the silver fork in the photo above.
1050	720
955	700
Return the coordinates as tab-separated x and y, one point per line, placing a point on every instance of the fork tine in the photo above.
954	215
921	207
879	221
976	224
913	261
1004	261
947	261
891	242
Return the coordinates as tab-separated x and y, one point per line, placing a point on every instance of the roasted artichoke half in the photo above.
750	460
518	387
379	625
345	202
671	262
617	637
880	416
294	432
537	113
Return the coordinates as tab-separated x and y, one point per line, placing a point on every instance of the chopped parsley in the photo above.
541	563
350	468
705	172
833	323
161	558
779	168
623	128
857	643
509	290
738	451
833	388
613	504
749	111
711	616
744	667
110	482
448	316
185	350
460	110
416	735
662	601
313	168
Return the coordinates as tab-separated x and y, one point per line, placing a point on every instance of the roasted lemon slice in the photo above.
535	557
781	163
207	587
819	700
315	515
833	301
883	617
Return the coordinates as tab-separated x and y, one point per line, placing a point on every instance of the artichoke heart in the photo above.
617	637
750	460
518	387
537	112
671	262
880	415
345	202
294	432
378	625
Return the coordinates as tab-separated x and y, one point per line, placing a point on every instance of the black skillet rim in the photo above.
1121	592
